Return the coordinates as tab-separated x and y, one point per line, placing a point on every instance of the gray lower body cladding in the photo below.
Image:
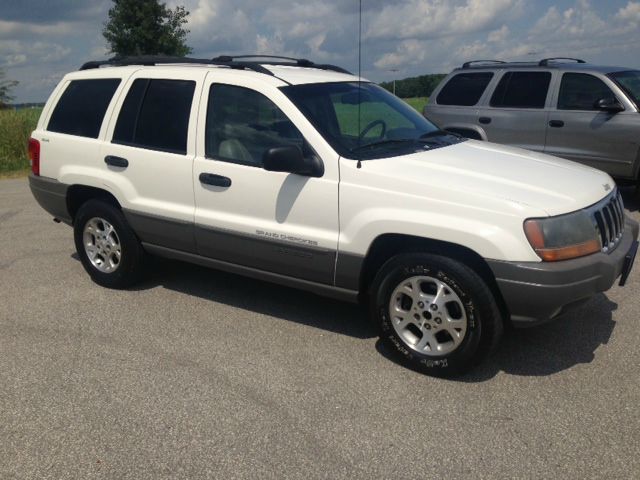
533	291
539	291
51	195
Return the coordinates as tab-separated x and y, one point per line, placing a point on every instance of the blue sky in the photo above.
41	40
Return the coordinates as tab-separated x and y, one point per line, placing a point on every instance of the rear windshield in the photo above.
464	89
629	82
82	106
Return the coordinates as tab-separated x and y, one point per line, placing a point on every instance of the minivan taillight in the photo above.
34	155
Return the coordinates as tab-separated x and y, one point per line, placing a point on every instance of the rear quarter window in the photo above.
464	89
81	108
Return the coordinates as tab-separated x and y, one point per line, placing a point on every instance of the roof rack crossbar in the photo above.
469	64
546	61
273	60
223	60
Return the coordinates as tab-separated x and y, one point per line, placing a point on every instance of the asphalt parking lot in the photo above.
203	374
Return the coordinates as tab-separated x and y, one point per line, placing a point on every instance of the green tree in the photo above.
146	27
6	86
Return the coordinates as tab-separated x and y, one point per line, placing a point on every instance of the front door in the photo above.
581	132
272	221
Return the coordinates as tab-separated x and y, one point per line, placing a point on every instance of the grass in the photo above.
15	128
418	102
369	112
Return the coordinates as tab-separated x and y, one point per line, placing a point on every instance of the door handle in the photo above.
116	161
556	123
216	180
485	120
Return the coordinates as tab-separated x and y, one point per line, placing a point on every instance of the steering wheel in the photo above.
372	125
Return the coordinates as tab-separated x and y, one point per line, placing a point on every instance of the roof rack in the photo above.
469	64
545	62
236	62
279	60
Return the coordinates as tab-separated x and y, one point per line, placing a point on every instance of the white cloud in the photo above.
411	36
630	13
498	35
427	19
9	29
17	52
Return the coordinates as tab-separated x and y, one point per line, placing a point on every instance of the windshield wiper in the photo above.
382	143
437	133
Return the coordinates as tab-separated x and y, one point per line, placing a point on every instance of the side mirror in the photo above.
290	159
610	105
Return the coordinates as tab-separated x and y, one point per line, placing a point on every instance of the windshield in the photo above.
364	121
629	82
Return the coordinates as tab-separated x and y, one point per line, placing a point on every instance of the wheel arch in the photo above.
77	195
388	245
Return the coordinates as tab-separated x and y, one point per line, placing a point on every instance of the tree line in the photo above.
421	86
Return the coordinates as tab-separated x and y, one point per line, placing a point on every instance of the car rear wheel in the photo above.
437	314
108	248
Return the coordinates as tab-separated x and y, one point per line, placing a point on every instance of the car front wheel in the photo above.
437	314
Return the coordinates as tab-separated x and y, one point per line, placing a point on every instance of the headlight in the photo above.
563	237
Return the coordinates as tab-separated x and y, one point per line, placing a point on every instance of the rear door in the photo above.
581	132
272	221
517	111
150	157
454	107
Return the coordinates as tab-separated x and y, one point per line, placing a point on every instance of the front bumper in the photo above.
535	292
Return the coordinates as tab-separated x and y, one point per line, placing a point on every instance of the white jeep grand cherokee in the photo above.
305	175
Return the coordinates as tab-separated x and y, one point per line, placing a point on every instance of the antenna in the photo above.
359	78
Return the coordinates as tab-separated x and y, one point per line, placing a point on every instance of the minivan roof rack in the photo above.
236	62
469	64
546	61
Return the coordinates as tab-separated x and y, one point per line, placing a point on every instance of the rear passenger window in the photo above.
243	124
522	90
581	91
82	106
465	89
155	115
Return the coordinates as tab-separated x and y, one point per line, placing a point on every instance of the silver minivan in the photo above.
563	107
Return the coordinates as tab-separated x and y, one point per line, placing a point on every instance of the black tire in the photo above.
484	323
130	266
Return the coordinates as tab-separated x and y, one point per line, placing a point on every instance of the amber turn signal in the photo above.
535	235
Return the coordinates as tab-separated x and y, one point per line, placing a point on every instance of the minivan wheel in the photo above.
437	314
107	246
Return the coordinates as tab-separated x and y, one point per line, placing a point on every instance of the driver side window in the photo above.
581	91
243	124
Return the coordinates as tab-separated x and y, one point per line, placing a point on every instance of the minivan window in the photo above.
464	89
155	115
243	124
629	81
522	90
581	91
82	106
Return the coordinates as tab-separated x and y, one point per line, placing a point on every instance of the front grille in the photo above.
608	219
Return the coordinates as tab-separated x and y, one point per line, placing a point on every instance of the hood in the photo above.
539	181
